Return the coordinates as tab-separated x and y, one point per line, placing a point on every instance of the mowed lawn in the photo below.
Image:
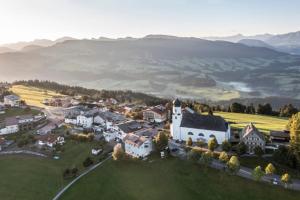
33	178
262	122
169	179
33	96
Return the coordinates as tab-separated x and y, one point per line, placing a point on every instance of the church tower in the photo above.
176	120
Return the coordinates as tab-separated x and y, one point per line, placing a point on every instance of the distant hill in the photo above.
38	42
255	43
166	66
288	42
5	50
31	48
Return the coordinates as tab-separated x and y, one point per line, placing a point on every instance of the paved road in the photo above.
247	173
23	152
78	177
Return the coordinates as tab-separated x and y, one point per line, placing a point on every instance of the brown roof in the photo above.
251	129
134	139
51	138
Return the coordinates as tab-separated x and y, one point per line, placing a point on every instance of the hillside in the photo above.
161	65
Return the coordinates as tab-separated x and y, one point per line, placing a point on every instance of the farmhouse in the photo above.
50	140
10	125
189	124
85	120
156	114
253	138
12	100
137	146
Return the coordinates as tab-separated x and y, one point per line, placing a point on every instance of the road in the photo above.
247	173
59	194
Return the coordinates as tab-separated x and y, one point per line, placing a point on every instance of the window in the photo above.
201	134
190	133
212	136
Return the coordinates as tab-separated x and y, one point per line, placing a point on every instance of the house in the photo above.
137	146
253	138
189	124
127	127
50	140
25	122
279	136
107	119
85	120
71	119
10	125
96	152
156	114
12	100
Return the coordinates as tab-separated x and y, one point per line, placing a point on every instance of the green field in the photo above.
33	178
169	179
33	96
262	122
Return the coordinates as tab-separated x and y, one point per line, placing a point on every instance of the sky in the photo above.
25	20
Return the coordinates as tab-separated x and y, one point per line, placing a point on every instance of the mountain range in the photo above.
288	42
162	65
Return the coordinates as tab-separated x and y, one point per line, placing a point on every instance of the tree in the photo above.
233	164
189	142
286	179
285	156
294	125
258	151
226	146
87	162
161	141
212	144
210	112
223	157
257	173
265	109
287	111
118	152
270	169
250	109
200	143
237	108
241	148
206	158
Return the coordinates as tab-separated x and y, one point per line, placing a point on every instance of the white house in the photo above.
85	120
189	124
10	126
128	127
12	100
155	114
50	140
71	119
137	146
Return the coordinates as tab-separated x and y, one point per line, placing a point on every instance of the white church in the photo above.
189	124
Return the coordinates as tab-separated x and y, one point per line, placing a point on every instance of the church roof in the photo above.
177	103
206	122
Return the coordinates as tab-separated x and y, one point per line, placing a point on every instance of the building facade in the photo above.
189	124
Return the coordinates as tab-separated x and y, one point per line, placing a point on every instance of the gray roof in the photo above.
130	127
206	122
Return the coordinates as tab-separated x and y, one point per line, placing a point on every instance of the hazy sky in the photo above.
29	19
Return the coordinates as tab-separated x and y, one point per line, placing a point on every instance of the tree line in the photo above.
93	94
